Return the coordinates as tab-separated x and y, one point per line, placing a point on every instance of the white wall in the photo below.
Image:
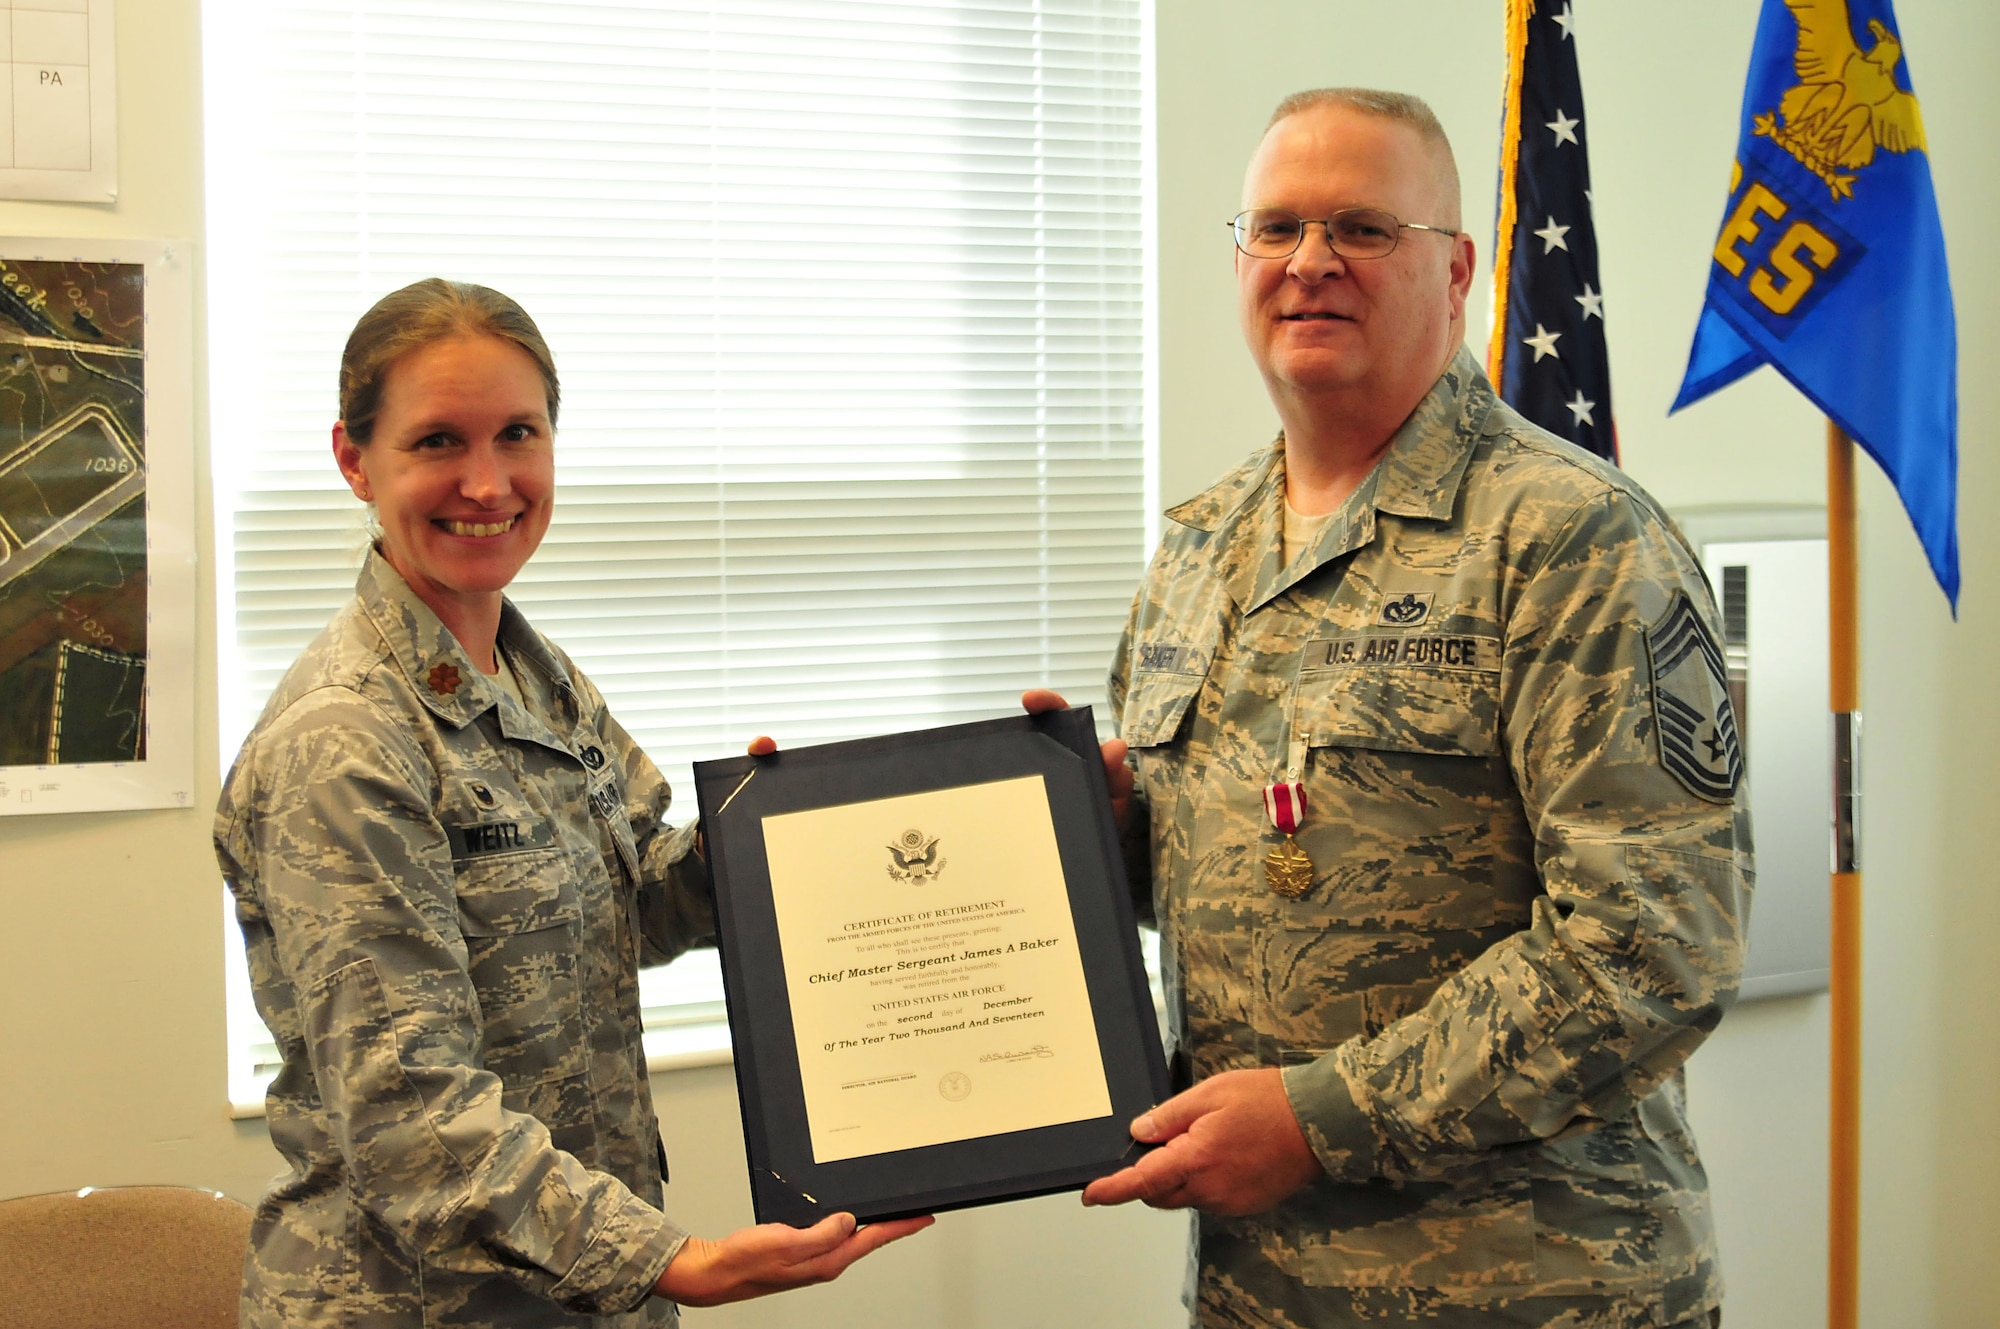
111	1052
110	936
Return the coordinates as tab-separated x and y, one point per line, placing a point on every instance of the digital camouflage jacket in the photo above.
1495	672
445	901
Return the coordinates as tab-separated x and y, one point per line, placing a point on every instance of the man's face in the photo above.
1379	329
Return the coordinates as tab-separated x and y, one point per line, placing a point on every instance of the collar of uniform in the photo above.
1346	529
543	678
1222	500
1241	506
423	646
1418	476
1250	538
1420	473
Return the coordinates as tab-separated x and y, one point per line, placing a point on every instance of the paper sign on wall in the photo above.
58	101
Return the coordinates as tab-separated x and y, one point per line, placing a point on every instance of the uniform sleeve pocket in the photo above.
1155	708
1403	710
502	897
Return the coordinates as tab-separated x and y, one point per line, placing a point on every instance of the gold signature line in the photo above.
732	796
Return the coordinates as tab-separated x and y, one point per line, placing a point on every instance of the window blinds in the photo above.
846	297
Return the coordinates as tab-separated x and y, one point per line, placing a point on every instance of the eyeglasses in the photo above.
1350	233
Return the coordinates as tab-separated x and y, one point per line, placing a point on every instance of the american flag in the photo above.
1548	356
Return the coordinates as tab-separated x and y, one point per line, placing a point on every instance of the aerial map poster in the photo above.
95	528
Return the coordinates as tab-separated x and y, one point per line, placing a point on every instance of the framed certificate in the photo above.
934	981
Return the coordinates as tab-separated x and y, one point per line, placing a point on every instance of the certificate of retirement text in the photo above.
936	989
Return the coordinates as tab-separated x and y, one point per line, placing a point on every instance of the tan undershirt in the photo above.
509	681
1300	532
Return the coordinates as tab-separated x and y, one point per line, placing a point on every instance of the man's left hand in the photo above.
1117	774
1229	1146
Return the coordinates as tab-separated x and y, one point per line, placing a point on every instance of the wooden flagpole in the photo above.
1844	1062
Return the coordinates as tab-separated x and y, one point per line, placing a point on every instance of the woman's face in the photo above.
461	468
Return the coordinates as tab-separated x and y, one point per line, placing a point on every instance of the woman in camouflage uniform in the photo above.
449	861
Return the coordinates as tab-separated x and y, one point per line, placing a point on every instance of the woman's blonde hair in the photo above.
431	310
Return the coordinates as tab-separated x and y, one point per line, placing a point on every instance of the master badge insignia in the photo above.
914	857
1406	610
1694	721
443	679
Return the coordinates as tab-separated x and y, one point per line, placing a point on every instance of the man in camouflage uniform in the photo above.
1441	1085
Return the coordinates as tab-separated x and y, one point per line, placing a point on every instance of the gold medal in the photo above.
1287	869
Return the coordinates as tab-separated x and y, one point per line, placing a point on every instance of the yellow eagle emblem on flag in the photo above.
1847	103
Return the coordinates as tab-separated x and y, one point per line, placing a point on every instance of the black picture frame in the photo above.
787	1185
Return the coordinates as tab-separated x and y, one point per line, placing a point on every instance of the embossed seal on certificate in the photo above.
956	1086
914	857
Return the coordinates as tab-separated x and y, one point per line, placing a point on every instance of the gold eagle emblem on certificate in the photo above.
914	857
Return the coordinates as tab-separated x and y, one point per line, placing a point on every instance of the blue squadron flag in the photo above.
1830	265
1548	356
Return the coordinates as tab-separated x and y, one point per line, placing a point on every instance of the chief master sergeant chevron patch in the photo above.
1696	725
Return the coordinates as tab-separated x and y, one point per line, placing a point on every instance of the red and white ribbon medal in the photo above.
1286	804
1287	870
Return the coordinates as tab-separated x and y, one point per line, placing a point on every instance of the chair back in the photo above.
122	1257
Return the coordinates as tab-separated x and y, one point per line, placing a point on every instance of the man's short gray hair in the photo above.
1400	107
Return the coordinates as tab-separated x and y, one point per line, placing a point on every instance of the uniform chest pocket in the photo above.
515	893
520	916
1156	707
1413	820
1438	712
